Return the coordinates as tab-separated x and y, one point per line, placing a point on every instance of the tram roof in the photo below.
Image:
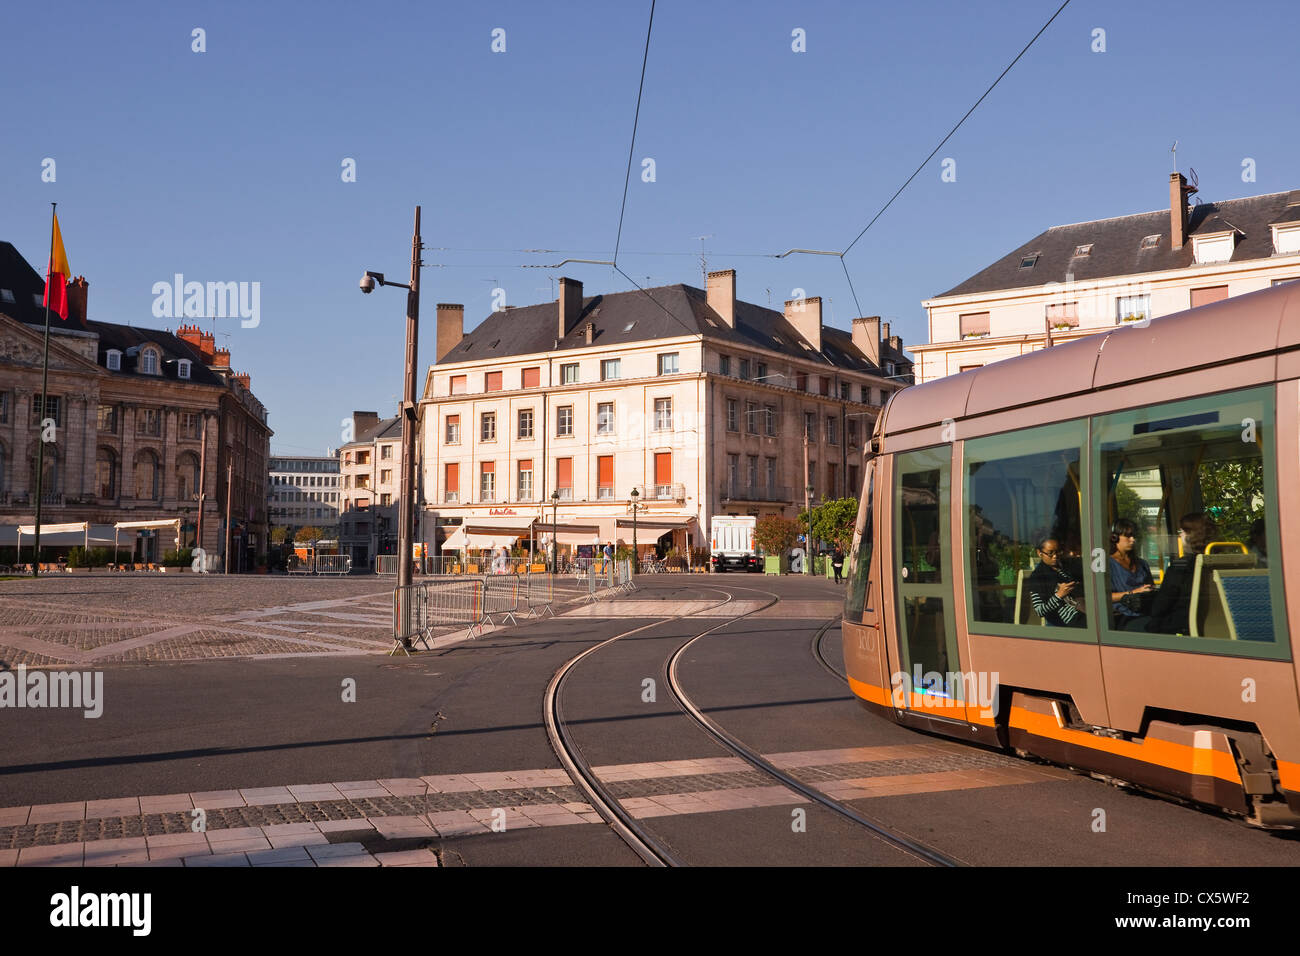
1240	327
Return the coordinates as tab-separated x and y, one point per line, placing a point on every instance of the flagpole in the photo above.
45	381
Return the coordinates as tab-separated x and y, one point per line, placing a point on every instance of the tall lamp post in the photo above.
636	555
807	506
406	529
555	546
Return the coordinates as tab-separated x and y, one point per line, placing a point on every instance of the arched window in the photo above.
148	361
146	476
187	477
106	473
50	472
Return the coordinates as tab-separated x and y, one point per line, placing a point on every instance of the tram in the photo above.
1077	554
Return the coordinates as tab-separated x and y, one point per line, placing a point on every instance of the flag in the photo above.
57	275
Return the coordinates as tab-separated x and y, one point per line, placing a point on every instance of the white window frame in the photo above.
668	363
663	414
113	360
610	365
605	418
563	429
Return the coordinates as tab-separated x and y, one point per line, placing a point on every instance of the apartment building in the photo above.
1076	280
370	482
690	402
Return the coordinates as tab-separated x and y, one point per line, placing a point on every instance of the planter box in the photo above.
776	564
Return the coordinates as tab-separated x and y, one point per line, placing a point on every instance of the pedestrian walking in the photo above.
837	562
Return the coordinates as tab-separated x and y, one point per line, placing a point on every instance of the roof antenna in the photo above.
704	263
1174	149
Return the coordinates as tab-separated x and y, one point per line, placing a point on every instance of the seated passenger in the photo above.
1173	603
1056	594
1130	578
1258	543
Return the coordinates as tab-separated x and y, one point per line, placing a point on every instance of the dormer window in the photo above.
1150	242
6	295
1028	261
1286	239
148	361
1082	251
113	360
1216	247
183	368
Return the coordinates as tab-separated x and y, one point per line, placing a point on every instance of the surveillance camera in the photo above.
367	283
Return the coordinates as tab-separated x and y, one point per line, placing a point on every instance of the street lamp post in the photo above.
405	531
636	555
555	546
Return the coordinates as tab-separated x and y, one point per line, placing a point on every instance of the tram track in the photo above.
651	849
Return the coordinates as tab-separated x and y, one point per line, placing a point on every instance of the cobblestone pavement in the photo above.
94	619
397	822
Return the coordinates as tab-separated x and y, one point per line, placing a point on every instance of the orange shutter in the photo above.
974	323
492	382
458	384
453	420
605	470
525	464
532	377
564	473
489	467
1216	293
663	468
453	476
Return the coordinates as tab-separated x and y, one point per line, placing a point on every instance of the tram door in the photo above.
927	674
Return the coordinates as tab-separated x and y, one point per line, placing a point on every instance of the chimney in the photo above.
243	379
866	338
77	292
806	316
570	303
450	330
363	422
189	334
207	348
221	358
589	332
721	294
1178	193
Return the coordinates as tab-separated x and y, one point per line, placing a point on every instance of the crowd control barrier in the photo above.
333	564
500	596
436	605
385	564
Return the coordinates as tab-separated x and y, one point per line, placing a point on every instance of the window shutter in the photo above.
975	323
492	382
525	464
489	467
532	377
1216	293
663	468
605	470
458	384
453	476
564	472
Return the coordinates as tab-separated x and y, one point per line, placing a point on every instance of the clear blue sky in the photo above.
225	165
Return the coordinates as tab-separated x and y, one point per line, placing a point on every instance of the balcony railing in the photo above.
670	492
740	491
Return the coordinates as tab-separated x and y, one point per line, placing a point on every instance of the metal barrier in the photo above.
297	565
453	603
385	564
500	596
539	592
333	564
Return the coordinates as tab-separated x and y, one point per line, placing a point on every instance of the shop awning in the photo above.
659	524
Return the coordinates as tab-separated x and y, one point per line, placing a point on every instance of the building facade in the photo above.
1075	280
694	400
305	492
370	481
147	425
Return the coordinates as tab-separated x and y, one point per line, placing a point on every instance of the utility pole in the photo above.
405	508
807	503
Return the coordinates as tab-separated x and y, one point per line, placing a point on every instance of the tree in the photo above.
279	535
833	522
774	534
1232	492
310	533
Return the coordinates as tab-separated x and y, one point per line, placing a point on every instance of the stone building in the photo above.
148	425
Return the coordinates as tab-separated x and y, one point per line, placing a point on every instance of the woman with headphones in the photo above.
1131	583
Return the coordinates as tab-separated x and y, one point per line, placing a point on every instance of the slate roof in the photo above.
657	313
1117	244
28	288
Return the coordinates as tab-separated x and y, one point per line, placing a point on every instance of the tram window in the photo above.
860	565
1024	530
1204	467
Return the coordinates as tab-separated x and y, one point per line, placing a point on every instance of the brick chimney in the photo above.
78	290
450	329
806	316
191	335
1178	193
570	305
243	379
363	422
589	332
866	337
207	348
721	294
221	358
